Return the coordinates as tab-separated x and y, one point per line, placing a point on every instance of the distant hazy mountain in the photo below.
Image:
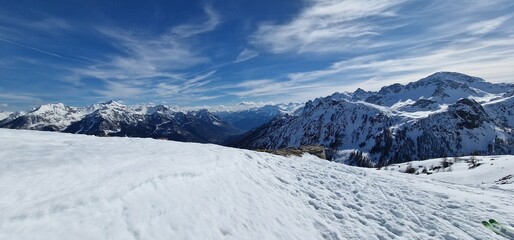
247	119
174	123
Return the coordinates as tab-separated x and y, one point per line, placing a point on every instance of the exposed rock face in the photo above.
318	151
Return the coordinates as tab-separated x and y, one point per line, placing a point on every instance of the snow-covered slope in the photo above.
502	110
442	114
470	170
85	187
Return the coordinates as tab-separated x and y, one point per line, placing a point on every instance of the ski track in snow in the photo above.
62	186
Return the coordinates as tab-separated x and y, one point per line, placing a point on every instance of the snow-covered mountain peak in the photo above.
105	106
206	116
441	87
203	113
162	109
4	115
57	108
341	95
112	103
289	108
49	117
452	76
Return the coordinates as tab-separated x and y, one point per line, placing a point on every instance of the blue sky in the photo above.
191	53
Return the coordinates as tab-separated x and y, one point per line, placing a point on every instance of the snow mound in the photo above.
63	186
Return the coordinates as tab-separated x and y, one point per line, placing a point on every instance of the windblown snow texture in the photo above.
64	186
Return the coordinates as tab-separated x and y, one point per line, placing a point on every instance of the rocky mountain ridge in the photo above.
445	114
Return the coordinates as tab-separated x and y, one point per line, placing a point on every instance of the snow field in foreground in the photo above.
63	186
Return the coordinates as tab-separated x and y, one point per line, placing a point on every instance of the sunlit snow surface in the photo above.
488	169
60	186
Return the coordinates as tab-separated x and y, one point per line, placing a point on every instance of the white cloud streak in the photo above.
147	60
487	26
191	29
325	26
18	97
42	51
246	55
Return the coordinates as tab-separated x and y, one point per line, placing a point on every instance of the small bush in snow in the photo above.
473	162
410	169
445	163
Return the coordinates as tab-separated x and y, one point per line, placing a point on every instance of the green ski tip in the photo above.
502	226
497	228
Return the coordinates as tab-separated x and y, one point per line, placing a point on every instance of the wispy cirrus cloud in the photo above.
246	55
50	24
15	97
325	26
487	26
9	99
150	63
44	24
492	60
145	56
182	57
43	51
186	86
191	29
493	63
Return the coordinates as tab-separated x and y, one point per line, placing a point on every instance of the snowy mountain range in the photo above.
160	121
440	115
